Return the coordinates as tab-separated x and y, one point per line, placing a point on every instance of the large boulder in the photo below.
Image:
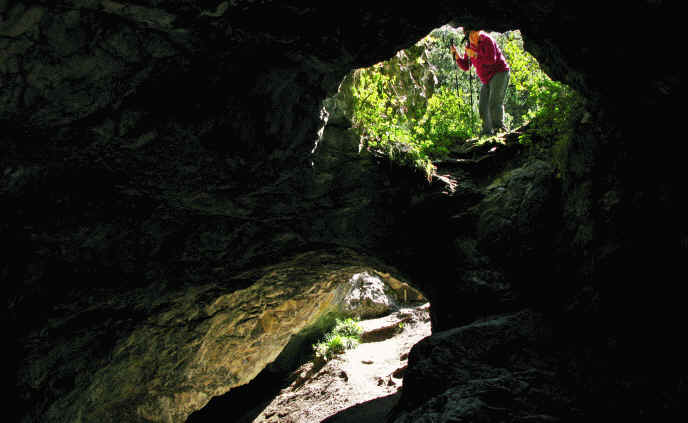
496	369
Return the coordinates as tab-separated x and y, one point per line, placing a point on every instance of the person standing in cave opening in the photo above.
484	54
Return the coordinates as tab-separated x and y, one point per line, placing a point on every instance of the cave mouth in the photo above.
421	77
418	105
370	371
270	382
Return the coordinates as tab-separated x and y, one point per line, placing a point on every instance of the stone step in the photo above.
375	330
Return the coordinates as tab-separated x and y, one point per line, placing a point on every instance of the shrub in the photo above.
345	335
555	124
348	327
416	133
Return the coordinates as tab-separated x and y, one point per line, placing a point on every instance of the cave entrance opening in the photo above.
417	103
350	358
418	106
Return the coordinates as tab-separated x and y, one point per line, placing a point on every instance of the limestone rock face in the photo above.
413	79
516	220
516	202
190	344
367	298
377	294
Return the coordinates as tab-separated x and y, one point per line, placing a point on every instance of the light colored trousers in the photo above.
491	105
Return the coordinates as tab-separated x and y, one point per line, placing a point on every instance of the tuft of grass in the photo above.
345	335
348	327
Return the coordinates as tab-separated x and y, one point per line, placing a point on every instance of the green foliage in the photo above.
555	124
345	335
526	84
552	109
533	96
446	120
383	121
348	327
416	133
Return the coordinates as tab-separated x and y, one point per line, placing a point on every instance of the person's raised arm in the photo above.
462	62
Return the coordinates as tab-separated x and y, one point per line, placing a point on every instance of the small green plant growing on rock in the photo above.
345	335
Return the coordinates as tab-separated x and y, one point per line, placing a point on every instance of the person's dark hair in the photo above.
466	33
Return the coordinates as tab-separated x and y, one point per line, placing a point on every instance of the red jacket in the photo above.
489	61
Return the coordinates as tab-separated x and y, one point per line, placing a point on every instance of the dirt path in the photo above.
360	385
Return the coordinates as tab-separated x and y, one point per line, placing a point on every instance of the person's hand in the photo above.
471	53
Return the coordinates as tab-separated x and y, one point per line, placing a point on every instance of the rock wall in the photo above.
152	150
159	353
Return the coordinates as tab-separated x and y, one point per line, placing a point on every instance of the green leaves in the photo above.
447	120
532	94
416	133
345	335
348	327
